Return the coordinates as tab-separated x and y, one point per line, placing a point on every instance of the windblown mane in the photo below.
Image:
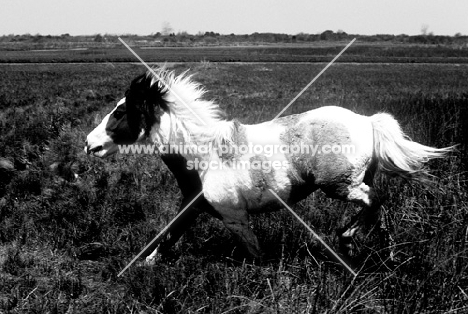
195	119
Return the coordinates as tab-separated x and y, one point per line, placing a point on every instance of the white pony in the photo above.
235	165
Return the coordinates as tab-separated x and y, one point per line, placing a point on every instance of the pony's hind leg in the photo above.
368	217
362	195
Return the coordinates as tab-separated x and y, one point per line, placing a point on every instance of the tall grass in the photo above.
69	223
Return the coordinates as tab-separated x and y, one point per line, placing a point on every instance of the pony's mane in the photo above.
193	118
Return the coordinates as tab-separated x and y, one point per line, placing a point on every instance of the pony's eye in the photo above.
118	114
158	110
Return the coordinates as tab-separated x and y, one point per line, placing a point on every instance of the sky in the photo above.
144	17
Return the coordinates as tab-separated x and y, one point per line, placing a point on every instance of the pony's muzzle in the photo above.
89	150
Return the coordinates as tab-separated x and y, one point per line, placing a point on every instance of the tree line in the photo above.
214	38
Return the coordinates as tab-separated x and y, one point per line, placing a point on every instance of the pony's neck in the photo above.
197	142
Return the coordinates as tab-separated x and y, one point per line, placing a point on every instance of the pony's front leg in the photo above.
176	230
237	221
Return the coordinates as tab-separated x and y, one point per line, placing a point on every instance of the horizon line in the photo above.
201	33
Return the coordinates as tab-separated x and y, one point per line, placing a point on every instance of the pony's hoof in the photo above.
151	260
147	262
347	246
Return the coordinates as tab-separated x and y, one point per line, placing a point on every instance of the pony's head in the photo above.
168	110
132	118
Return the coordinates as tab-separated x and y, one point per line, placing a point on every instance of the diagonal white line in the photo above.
314	234
162	81
160	234
311	82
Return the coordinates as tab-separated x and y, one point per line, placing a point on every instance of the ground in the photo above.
63	238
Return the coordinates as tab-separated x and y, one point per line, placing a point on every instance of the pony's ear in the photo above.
144	93
139	87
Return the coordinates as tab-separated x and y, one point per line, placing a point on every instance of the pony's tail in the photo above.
397	154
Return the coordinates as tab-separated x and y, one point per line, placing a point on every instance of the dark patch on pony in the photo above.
143	101
123	125
146	98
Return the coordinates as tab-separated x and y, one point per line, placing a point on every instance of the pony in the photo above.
235	165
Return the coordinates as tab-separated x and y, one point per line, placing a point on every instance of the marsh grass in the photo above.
67	230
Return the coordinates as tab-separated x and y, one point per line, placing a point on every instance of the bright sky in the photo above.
144	17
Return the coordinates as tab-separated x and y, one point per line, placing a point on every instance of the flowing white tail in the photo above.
397	154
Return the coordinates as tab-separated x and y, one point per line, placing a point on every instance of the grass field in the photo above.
317	52
63	238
